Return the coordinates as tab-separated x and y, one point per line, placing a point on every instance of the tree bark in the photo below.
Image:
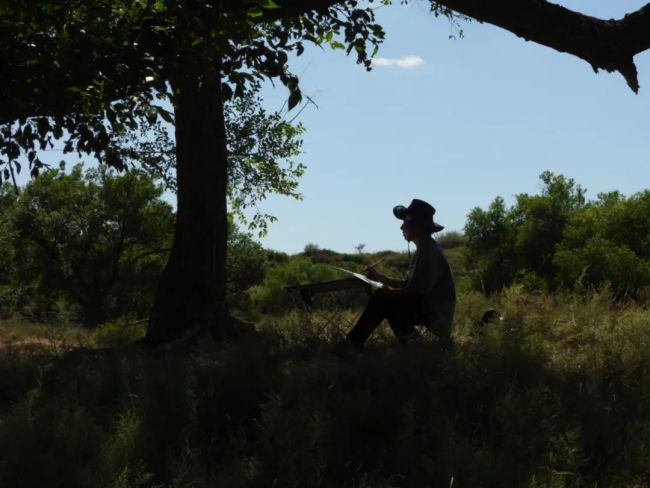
191	292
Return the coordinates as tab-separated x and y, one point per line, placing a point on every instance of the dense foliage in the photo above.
88	71
88	243
262	150
559	239
89	246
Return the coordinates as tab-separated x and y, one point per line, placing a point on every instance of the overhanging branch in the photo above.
605	44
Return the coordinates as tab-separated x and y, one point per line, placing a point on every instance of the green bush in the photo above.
273	297
558	239
90	243
245	266
602	261
450	240
608	242
119	332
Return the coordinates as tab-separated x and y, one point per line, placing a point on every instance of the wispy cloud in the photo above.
406	62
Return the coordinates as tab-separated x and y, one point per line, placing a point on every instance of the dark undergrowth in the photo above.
557	395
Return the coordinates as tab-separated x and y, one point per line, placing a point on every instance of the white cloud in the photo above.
406	62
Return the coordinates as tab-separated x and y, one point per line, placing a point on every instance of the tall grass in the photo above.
555	395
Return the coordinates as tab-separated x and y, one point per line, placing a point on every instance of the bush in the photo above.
450	240
602	261
273	297
88	242
558	239
245	266
120	332
608	242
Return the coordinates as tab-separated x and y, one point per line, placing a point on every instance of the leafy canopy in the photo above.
262	147
87	71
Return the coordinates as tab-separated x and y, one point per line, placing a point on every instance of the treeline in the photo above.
560	240
89	246
86	246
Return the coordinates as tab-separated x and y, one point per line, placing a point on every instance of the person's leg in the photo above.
402	316
371	317
399	310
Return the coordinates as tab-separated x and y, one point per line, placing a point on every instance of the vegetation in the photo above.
86	72
89	246
552	396
555	395
560	240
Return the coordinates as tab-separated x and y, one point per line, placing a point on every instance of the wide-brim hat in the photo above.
418	211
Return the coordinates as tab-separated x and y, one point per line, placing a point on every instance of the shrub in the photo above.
602	261
559	239
90	242
245	266
450	240
120	332
273	297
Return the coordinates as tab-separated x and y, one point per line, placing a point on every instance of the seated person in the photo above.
426	297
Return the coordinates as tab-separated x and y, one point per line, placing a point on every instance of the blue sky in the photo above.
459	123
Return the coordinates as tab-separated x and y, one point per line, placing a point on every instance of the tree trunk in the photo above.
191	292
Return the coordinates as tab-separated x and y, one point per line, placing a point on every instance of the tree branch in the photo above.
605	44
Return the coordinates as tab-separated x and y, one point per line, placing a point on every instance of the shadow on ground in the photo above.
497	411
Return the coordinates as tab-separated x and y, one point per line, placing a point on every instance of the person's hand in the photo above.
388	290
372	273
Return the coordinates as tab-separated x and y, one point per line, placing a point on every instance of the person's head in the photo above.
418	220
414	231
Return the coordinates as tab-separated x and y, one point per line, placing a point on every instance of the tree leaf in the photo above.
166	115
295	98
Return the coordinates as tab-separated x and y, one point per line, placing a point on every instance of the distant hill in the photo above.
394	263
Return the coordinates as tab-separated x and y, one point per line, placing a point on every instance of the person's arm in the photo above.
424	277
375	275
400	290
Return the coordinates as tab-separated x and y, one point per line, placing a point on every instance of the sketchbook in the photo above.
374	284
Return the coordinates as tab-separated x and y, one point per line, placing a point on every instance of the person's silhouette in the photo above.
426	297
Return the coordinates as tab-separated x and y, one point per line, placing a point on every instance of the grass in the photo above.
556	395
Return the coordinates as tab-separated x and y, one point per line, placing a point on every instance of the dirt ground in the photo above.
7	340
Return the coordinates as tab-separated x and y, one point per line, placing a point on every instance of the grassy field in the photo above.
556	395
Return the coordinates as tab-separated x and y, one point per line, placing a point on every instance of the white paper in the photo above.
374	284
